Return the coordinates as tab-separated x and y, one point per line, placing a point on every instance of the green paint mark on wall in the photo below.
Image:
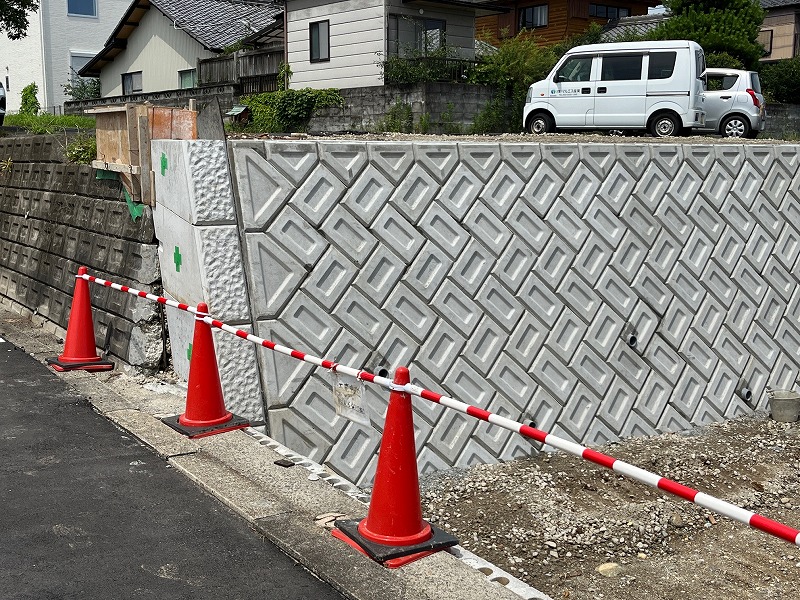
189	353
136	210
164	165
176	256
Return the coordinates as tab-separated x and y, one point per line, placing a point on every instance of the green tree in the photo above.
719	26
14	17
82	88
30	103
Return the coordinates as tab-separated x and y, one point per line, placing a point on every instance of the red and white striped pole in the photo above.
722	507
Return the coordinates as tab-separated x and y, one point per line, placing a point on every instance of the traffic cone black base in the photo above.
235	422
392	556
96	365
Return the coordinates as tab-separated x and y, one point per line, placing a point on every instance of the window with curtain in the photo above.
320	41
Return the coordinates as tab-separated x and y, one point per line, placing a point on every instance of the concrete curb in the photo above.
282	504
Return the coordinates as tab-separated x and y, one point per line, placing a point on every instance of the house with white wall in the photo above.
340	44
157	43
63	35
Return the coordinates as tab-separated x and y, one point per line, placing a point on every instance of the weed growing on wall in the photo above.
398	118
30	103
287	110
47	123
447	121
424	124
82	150
492	119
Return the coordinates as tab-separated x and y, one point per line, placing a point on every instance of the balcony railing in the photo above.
254	70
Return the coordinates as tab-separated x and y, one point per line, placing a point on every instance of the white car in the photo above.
734	103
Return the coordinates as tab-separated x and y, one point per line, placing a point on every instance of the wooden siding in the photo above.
566	18
356	39
782	22
159	51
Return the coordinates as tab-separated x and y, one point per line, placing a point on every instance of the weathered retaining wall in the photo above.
509	276
783	121
55	217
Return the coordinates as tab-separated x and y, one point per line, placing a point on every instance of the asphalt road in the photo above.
87	512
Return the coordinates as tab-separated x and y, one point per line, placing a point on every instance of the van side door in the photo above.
572	92
621	94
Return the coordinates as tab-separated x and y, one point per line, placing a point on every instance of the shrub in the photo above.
47	123
399	118
723	60
781	80
82	150
30	104
287	110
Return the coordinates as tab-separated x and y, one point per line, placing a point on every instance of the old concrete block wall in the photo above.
509	275
55	217
446	105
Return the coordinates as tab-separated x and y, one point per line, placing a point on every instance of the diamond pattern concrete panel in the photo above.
299	237
543	189
262	189
367	195
346	161
485	345
331	278
350	236
472	267
428	270
294	159
394	160
487	228
592	259
318	195
460	191
277	277
444	230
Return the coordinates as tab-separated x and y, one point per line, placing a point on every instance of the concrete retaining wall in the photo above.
510	276
55	217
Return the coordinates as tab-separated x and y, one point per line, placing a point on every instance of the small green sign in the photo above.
176	256
189	353
164	166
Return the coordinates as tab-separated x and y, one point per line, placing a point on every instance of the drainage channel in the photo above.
492	572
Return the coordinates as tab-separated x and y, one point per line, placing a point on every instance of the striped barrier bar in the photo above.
717	505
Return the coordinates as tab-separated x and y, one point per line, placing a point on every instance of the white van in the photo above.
657	86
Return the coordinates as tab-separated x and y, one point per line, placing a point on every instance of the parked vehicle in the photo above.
653	86
734	103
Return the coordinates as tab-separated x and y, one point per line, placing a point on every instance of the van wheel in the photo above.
735	126
664	125
541	123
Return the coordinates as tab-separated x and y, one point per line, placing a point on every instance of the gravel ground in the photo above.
576	530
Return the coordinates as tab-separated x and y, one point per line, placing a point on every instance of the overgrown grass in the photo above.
46	123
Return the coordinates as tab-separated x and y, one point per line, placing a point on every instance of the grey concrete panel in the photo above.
262	189
502	190
350	236
543	189
318	195
294	159
428	270
274	275
444	230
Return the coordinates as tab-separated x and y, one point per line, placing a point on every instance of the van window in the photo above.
620	68
576	68
700	64
662	65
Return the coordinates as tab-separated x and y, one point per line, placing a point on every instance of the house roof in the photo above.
214	24
638	25
481	7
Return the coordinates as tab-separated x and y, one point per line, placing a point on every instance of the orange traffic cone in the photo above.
205	412
79	349
394	532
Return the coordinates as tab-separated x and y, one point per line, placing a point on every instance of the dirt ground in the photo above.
552	520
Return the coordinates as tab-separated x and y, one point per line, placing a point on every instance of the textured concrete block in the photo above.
577	294
685	186
413	315
414	194
592	370
770	311
223	272
485	345
379	276
210	186
740	314
331	277
295	160
172	178
709	319
543	189
313	326
428	270
345	160
368	194
444	230
500	304
238	373
544	304
716	186
767	216
481	159
779	278
457	308
553	375
652	289
362	318
566	334
262	189
523	158
717	281
579	412
298	236
528	227
592	259
459	192
684	284
472	267
318	195
394	160
664	254
616	188
350	236
395	231
502	190
274	274
580	189
487	228
282	376
439	159
441	348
